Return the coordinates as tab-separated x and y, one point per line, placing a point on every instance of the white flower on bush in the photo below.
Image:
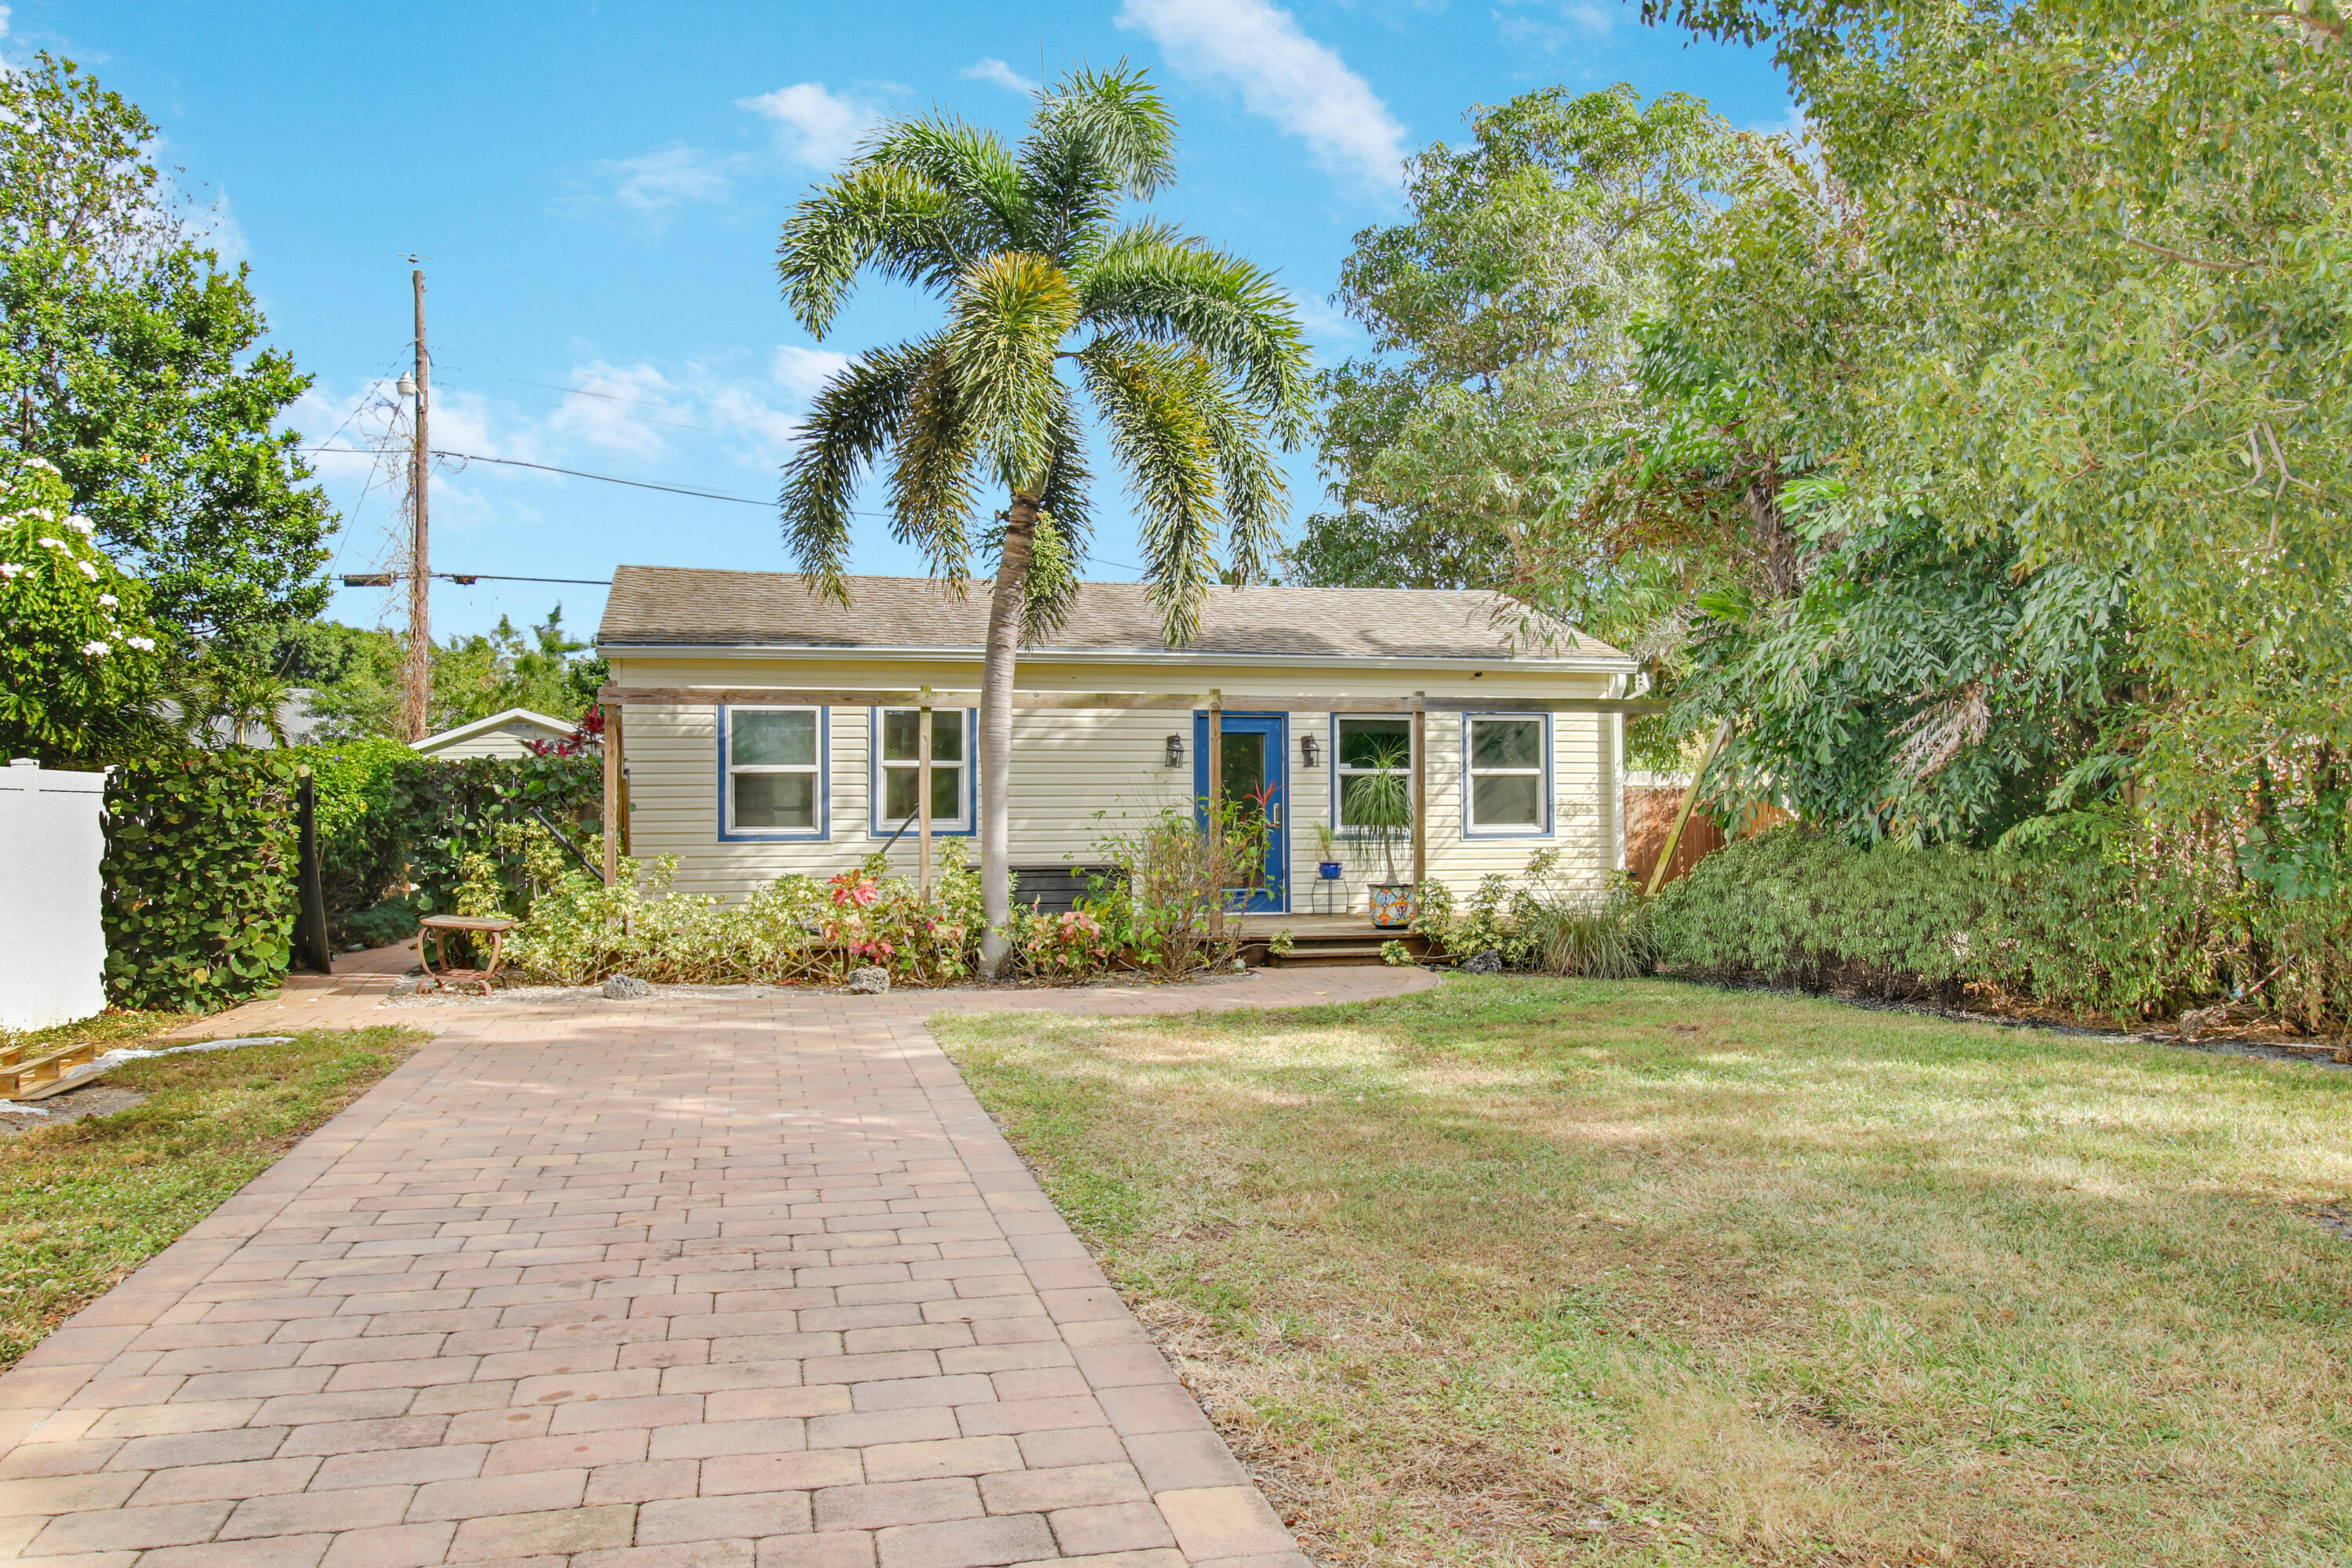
81	525
94	648
11	570
40	463
109	600
53	543
87	570
145	645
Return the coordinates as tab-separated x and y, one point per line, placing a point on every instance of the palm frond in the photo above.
882	215
855	417
1250	481
1152	283
1052	589
1097	137
967	162
932	491
1007	321
1152	400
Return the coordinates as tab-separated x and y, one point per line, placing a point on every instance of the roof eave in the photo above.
1610	662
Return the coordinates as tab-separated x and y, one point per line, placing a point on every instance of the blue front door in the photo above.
1255	751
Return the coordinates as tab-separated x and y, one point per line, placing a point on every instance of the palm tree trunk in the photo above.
1006	605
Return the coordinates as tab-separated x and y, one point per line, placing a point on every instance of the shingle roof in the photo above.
678	606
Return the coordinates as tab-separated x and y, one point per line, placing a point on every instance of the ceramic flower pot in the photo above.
1327	869
1392	905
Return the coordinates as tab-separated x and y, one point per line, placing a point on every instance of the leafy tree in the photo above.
354	675
79	658
128	358
1192	358
1503	316
2118	234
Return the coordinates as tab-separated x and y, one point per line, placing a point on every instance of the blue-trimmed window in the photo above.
773	779
1361	743
896	770
1506	775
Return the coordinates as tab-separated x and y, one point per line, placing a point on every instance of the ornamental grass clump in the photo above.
1545	920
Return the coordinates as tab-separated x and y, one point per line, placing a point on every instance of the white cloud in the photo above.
216	223
803	372
1281	73
814	127
609	406
1577	22
994	69
653	183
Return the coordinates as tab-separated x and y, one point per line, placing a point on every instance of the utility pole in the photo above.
419	679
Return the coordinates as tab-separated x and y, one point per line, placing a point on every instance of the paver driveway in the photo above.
682	1284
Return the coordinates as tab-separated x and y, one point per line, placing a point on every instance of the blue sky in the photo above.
595	190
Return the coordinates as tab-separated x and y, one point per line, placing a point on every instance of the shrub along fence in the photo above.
388	818
2108	922
199	875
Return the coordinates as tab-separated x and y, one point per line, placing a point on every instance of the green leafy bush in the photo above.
201	852
388	817
2089	916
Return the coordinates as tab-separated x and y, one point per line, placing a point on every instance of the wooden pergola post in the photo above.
612	795
1420	792
923	796
1216	796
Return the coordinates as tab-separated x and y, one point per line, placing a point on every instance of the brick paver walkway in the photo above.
694	1283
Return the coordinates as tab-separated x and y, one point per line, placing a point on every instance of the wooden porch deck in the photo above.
1323	940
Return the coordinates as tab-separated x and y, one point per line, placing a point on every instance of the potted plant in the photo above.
1381	803
1327	847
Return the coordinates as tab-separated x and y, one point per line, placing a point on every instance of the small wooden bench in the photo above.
438	929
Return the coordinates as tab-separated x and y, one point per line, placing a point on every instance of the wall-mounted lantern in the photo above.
1309	751
1175	755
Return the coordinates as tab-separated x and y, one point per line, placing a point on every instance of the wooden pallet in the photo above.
24	1075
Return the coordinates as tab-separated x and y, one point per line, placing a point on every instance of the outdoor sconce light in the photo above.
1308	750
1175	750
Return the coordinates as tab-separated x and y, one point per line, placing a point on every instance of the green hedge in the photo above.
387	815
2107	924
201	855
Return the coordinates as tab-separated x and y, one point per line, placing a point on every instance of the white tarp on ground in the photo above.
52	946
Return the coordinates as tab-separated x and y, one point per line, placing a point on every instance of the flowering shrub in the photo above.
1066	947
77	655
795	931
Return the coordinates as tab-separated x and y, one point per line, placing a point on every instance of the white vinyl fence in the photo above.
52	947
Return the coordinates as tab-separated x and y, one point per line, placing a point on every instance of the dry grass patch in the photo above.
1522	1272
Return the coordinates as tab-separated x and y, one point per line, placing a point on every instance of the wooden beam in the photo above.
1683	817
923	794
615	737
612	795
709	696
1216	764
1420	797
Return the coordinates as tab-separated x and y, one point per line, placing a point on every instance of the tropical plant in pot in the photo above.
1380	807
1326	851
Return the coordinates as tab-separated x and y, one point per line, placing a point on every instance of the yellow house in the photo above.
754	730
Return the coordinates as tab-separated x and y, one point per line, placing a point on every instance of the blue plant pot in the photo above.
1328	870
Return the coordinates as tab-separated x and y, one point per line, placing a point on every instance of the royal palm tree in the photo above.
1191	359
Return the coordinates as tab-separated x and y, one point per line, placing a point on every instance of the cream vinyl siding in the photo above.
1081	775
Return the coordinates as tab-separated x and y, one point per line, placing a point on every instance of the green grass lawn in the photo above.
1523	1272
83	1204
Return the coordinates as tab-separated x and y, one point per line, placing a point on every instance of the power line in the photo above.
550	468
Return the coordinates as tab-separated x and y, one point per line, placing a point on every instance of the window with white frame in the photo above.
898	763
1361	748
776	780
1508	783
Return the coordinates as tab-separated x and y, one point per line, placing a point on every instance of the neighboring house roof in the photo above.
557	729
667	606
